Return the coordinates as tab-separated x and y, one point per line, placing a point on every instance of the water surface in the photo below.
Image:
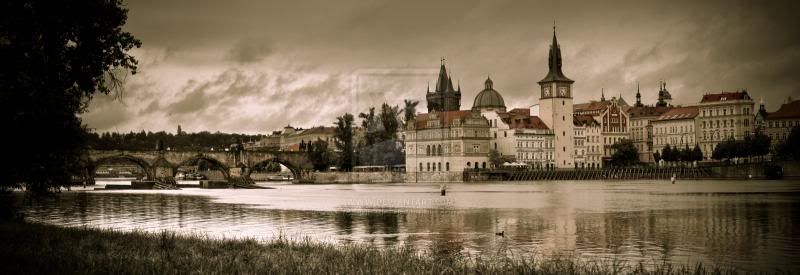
749	225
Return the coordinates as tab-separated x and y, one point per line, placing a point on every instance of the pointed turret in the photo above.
441	82
602	95
638	96
444	97
554	73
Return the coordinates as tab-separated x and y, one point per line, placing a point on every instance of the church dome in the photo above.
489	98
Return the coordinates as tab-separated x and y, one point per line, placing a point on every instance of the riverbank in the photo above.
30	248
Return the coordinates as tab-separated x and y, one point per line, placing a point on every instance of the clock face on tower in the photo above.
562	91
546	91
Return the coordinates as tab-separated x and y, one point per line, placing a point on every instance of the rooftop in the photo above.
787	110
680	113
723	96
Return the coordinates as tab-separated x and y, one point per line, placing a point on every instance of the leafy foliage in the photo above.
625	153
319	155
55	57
147	140
498	159
344	141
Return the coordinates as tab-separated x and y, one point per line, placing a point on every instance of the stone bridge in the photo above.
162	163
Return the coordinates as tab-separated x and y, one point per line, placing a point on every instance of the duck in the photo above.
501	233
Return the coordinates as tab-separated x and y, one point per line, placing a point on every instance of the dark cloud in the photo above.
249	50
256	65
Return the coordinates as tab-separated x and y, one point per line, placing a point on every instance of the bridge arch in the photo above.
296	171
148	169
219	165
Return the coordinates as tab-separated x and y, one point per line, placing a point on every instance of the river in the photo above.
748	225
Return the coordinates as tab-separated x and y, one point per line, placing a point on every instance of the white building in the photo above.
723	116
676	128
447	141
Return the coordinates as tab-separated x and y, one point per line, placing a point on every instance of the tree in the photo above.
657	157
388	118
790	148
409	110
697	153
498	159
344	141
319	155
667	154
625	153
761	144
370	125
55	57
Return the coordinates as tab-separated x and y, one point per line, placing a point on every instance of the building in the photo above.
723	116
778	124
555	107
444	98
533	142
588	153
613	119
641	128
292	139
676	128
447	142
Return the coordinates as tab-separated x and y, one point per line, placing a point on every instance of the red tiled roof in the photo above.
591	106
521	118
579	120
725	96
680	113
787	110
445	118
644	111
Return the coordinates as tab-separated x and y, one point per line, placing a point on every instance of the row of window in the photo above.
725	111
674	129
711	124
437	166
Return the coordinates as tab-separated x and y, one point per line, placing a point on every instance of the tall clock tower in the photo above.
555	107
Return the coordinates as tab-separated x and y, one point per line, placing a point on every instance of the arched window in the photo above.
440	151
447	166
428	164
476	165
440	166
428	150
484	165
468	164
420	166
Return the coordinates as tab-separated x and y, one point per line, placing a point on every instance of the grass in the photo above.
29	248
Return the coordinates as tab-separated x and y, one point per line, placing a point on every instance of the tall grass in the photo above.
27	248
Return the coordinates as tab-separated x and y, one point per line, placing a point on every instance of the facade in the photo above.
444	98
447	142
532	141
677	127
613	120
555	107
587	142
779	124
723	116
291	139
641	127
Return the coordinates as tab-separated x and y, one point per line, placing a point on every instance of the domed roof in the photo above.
489	98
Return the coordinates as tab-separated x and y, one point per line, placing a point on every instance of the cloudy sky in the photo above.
254	66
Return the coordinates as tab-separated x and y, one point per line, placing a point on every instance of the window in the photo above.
447	166
420	166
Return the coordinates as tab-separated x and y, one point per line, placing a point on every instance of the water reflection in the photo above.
747	225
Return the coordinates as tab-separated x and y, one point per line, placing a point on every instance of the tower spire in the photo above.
554	73
638	96
602	94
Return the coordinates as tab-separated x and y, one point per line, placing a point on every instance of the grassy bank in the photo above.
27	248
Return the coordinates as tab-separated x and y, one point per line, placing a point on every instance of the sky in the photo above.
257	66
